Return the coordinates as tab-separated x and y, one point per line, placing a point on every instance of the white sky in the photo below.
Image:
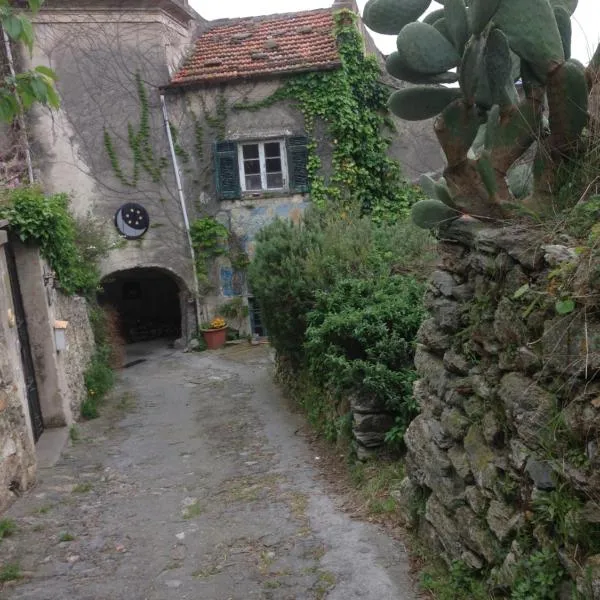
586	20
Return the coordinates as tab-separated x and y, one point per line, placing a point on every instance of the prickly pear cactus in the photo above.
516	81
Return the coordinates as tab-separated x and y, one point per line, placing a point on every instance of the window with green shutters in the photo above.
261	166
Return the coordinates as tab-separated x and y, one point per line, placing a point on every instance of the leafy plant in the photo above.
360	339
538	577
20	90
485	125
459	582
47	222
10	572
7	528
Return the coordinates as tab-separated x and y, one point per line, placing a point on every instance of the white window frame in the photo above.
263	165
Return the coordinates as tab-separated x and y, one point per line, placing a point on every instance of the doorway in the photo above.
146	302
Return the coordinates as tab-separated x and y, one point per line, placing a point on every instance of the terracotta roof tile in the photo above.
261	46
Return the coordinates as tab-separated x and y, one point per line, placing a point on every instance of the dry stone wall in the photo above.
510	404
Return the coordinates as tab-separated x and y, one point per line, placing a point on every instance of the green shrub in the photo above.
360	338
47	222
538	577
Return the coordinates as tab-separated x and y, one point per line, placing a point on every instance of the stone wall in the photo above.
510	405
75	359
17	454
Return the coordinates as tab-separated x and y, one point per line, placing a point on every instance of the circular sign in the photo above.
132	220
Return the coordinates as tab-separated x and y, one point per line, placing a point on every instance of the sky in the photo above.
586	20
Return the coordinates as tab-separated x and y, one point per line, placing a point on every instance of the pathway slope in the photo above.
194	484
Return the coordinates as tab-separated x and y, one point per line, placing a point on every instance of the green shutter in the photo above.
227	174
297	151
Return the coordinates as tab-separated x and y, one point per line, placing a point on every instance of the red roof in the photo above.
261	46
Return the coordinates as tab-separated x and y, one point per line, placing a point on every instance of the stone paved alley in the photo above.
195	484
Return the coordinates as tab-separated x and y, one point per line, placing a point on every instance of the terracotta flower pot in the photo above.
215	338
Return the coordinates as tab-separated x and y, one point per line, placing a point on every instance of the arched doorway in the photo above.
146	301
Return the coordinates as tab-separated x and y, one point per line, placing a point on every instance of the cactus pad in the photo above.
532	32
563	20
396	67
390	16
457	23
431	214
421	102
426	50
498	66
481	13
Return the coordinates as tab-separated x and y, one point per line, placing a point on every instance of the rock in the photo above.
590	513
433	338
452	257
493	431
570	345
582	415
458	458
541	474
474	406
464	292
439	434
519	453
529	407
455	423
502	519
482	387
519	243
445	527
514	280
475	534
476	500
555	255
370	430
527	360
442	282
456	363
508	326
448	314
408	496
364	454
428	403
481	458
366	403
432	369
194	344
588	584
482	263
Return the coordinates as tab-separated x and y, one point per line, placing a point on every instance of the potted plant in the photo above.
215	333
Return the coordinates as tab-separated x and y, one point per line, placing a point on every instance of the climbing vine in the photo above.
352	101
140	144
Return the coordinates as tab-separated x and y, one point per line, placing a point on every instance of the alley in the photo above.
195	484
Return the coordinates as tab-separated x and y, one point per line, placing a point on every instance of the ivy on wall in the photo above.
353	103
140	144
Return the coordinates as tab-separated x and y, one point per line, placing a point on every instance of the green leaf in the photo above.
26	32
521	291
12	26
35	5
564	307
47	71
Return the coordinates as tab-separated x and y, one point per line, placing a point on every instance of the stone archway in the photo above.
149	303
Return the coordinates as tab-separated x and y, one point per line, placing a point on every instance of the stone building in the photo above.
133	74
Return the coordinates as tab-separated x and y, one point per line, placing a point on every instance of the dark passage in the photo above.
146	302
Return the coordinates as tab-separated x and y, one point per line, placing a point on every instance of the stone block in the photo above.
460	462
445	527
455	423
481	458
502	519
447	313
508	325
529	407
433	338
3	401
475	534
519	243
366	403
519	453
429	404
432	369
541	473
493	431
456	363
370	430
476	499
442	282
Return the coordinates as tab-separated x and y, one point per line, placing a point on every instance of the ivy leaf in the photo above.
13	26
35	5
47	71
564	307
521	291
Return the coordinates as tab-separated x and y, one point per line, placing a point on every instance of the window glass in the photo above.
274	181
272	149
273	165
252	167
250	151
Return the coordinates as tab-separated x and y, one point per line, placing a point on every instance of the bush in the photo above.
47	222
341	298
360	338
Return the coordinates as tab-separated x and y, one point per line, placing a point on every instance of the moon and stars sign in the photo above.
132	220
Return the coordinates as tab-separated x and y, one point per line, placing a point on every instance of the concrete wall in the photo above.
17	454
96	49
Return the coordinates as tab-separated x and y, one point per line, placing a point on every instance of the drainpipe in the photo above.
20	117
183	206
